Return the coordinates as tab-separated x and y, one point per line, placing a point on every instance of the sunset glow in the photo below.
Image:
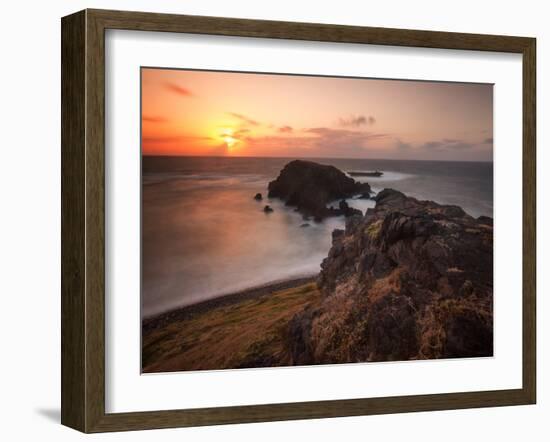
203	113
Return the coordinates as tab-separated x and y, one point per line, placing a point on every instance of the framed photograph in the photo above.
268	221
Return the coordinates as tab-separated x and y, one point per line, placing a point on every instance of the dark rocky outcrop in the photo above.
348	211
409	280
258	197
268	209
310	186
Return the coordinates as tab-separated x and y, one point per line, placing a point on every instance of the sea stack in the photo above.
310	186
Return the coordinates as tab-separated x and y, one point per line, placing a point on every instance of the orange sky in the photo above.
235	114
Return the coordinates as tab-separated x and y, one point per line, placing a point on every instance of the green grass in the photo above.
246	334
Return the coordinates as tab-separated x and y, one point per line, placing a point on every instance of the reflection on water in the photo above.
204	235
199	242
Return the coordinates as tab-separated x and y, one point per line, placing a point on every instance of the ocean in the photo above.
203	234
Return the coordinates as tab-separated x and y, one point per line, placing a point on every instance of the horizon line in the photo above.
311	158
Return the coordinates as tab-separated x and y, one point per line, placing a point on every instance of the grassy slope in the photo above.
249	333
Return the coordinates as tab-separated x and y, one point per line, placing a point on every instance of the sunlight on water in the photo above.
202	239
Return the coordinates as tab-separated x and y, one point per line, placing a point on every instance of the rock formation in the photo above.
348	211
409	280
309	187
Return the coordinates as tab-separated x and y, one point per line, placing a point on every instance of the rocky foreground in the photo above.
408	280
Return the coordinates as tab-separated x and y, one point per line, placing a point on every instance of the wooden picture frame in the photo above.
83	220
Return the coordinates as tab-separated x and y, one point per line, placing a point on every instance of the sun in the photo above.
229	141
228	138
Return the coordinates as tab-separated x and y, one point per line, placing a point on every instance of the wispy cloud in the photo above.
151	119
172	138
356	121
446	144
242	132
318	141
345	136
177	89
401	145
444	149
244	118
321	140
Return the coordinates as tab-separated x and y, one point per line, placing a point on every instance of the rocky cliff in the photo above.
309	187
409	280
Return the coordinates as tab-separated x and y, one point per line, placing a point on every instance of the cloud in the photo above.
177	89
172	139
241	132
401	145
357	121
345	135
459	145
151	119
317	142
343	142
175	144
446	144
285	129
244	118
432	145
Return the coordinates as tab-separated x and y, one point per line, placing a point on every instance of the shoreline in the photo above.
161	320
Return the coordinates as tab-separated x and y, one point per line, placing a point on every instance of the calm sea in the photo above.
203	234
